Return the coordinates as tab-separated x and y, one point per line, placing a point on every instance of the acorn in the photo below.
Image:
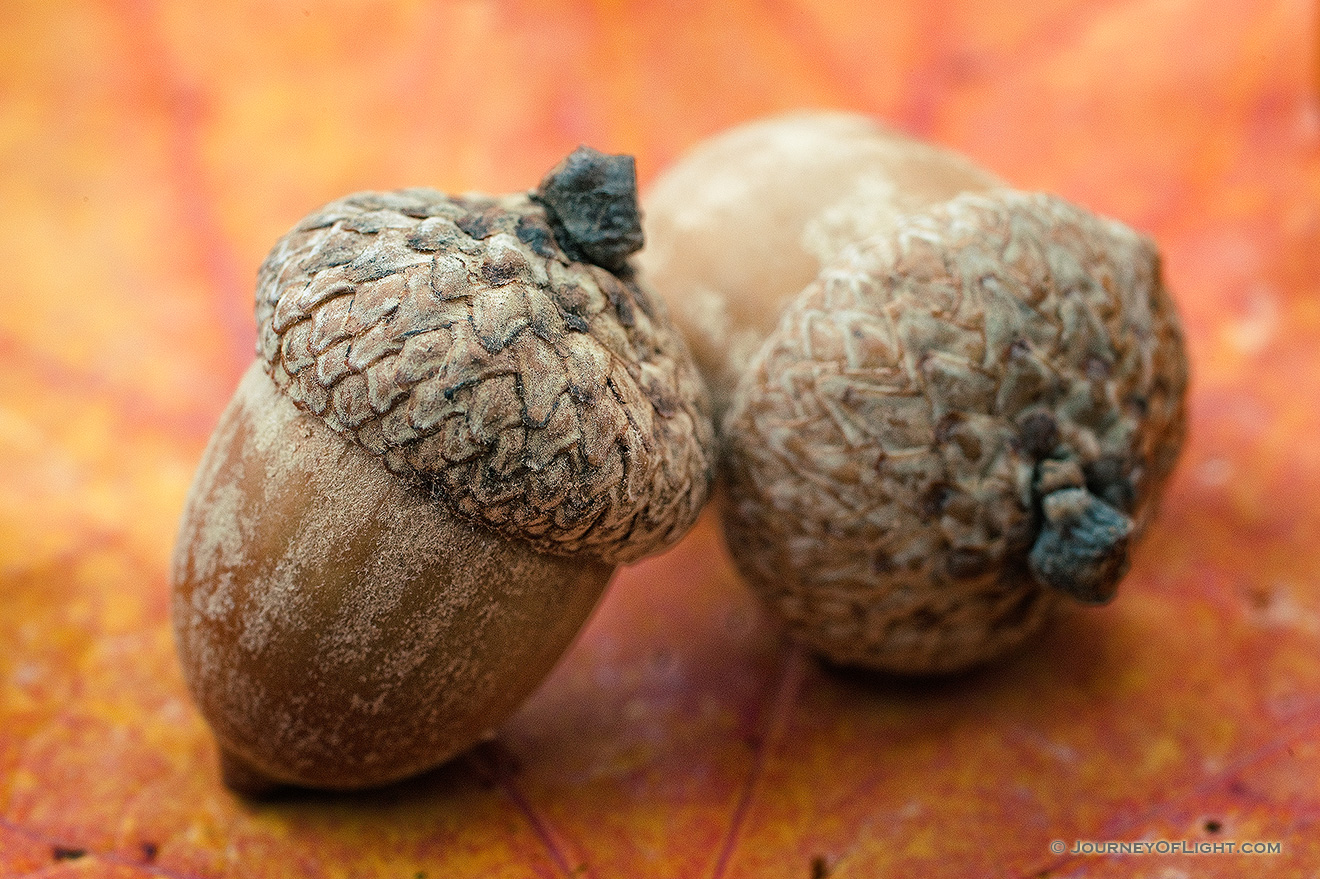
465	412
944	406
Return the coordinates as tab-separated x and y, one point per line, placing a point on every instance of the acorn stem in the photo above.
1083	548
591	202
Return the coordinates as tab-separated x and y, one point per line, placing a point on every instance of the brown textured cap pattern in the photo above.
890	445
550	399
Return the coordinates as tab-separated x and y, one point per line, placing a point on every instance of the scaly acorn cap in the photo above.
955	424
468	342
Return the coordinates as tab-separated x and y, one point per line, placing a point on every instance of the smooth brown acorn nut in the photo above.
464	414
944	406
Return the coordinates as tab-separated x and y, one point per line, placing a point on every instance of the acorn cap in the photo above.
467	342
953	425
745	220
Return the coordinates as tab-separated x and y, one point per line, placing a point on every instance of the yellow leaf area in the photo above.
150	153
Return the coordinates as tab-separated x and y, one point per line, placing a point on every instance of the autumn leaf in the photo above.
150	153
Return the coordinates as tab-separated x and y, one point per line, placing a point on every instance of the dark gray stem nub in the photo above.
1083	548
591	202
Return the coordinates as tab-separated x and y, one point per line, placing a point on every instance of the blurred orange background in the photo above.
150	153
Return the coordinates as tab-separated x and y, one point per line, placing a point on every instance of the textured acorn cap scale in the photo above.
964	416
456	427
745	220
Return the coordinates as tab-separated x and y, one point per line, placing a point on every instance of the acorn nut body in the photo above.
455	430
944	406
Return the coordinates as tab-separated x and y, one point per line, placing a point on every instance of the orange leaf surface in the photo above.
150	153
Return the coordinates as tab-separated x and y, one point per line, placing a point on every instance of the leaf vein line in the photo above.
496	763
785	695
